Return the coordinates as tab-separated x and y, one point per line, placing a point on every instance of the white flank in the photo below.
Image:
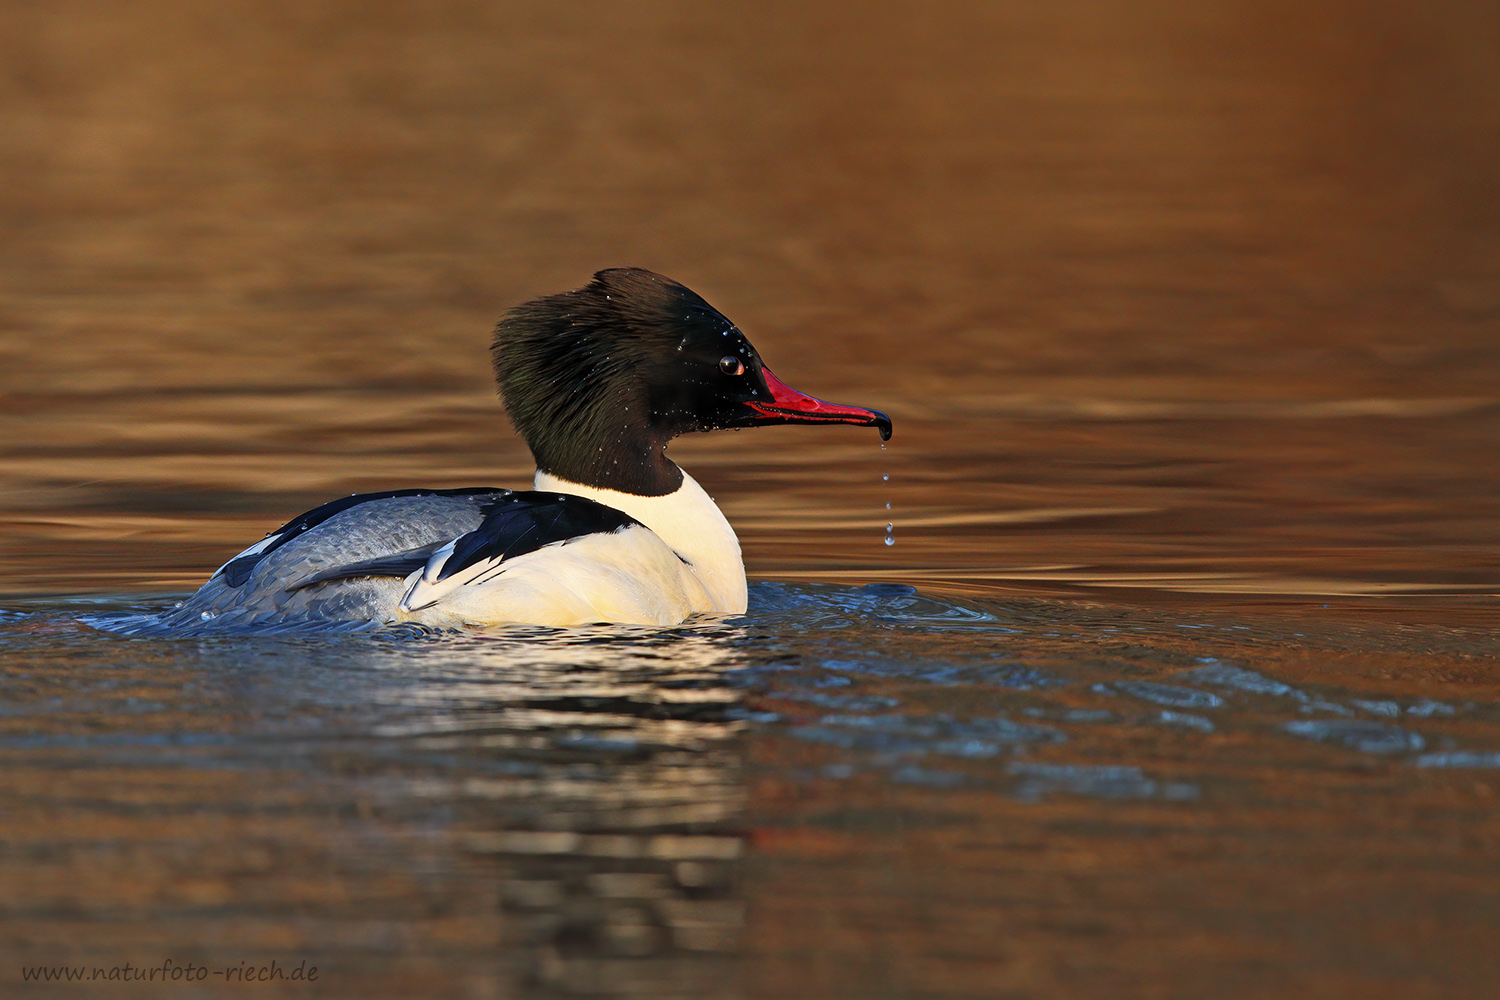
628	576
690	523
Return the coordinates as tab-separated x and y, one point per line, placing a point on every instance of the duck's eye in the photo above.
731	365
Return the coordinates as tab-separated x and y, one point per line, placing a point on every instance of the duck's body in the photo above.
560	555
597	381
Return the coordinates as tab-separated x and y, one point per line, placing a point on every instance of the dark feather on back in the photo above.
238	570
524	522
514	524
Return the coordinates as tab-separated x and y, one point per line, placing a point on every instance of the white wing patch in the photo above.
628	576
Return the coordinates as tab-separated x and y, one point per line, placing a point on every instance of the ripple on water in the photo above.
917	736
1187	720
1172	695
1238	678
1460	759
1366	737
813	606
601	777
881	676
1037	781
1015	676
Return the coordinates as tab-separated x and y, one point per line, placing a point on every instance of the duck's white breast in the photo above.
690	524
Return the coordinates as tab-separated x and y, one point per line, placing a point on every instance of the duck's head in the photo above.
600	379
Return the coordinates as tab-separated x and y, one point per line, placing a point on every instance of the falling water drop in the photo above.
890	529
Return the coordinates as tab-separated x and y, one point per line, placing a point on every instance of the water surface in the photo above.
847	791
1178	678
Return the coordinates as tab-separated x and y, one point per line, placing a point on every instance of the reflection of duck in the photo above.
597	381
605	687
594	776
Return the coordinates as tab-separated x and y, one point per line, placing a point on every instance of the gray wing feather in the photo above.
399	565
308	578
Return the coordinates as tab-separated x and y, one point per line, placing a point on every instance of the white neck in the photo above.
689	522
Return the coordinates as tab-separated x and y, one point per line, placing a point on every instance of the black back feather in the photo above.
514	524
527	521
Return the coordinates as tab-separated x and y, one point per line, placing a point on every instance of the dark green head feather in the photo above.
598	380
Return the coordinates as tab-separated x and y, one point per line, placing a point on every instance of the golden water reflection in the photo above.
1222	280
1280	500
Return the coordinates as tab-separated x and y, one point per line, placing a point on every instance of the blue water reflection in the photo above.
603	780
882	674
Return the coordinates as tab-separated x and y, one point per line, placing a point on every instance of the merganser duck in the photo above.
597	381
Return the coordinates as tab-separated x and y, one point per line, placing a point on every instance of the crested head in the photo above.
598	380
574	370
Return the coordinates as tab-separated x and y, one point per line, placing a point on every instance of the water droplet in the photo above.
886	477
890	539
889	528
887	505
207	616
